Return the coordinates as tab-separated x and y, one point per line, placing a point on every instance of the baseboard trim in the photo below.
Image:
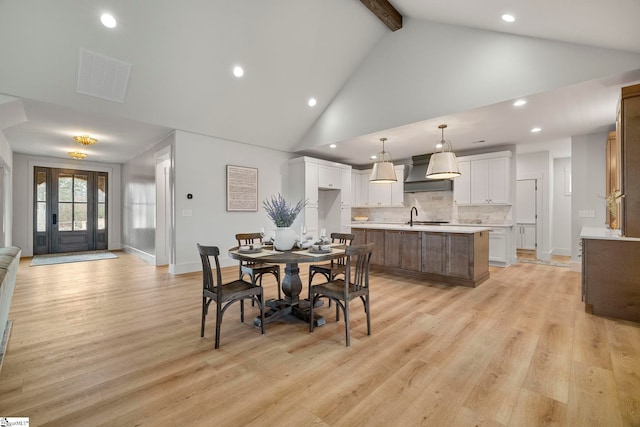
151	259
5	341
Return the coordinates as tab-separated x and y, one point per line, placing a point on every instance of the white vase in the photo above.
284	239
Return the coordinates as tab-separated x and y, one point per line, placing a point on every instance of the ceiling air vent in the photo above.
102	77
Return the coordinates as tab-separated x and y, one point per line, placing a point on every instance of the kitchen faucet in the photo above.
413	208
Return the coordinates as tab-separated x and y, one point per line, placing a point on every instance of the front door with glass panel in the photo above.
70	210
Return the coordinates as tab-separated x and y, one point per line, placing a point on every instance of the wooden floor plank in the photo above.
535	410
117	342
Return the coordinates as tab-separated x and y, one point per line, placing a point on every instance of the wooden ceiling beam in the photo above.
385	12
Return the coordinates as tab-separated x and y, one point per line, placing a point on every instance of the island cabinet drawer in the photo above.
402	249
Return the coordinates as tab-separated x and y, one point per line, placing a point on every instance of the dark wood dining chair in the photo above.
331	269
256	269
355	284
224	294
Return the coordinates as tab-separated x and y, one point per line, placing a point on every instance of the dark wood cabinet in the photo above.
377	237
368	235
402	249
461	256
443	257
629	145
433	253
612	179
360	236
611	277
411	250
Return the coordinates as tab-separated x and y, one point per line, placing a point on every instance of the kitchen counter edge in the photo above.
429	228
604	234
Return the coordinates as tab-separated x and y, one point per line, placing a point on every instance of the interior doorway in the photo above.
526	214
163	210
70	210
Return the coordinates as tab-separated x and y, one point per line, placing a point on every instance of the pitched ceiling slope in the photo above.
430	69
612	24
183	55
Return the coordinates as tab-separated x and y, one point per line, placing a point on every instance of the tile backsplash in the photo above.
438	206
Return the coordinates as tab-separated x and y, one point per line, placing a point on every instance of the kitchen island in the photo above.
610	273
440	253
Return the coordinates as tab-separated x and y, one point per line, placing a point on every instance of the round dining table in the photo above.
291	283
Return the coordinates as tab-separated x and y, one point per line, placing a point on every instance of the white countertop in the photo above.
485	225
605	234
432	228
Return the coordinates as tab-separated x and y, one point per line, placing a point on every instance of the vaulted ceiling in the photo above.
182	55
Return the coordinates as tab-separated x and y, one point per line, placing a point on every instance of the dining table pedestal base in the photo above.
280	308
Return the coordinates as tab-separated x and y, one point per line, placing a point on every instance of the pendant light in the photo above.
443	164
383	171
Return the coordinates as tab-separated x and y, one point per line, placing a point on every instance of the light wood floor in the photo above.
530	255
117	343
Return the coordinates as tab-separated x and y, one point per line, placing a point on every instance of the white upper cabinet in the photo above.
309	179
379	195
359	188
329	177
462	184
485	179
345	187
384	195
397	188
311	183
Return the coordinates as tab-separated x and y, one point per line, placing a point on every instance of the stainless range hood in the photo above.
416	181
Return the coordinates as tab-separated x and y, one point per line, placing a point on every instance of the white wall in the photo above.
6	192
428	70
23	197
139	201
200	169
588	154
538	166
561	235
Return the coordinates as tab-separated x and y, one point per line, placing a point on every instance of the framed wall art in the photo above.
242	189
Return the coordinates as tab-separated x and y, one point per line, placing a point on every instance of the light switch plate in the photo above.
187	212
586	214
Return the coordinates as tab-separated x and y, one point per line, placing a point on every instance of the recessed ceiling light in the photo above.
508	18
536	130
238	71
108	20
519	102
373	157
312	102
332	146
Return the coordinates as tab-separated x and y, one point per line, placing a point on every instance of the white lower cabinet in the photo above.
310	219
345	219
500	247
526	236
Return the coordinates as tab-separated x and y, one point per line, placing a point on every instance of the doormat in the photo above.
71	257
